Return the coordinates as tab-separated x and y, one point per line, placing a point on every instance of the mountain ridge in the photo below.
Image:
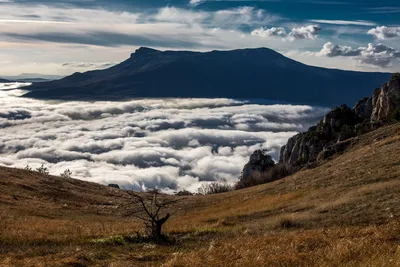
241	73
337	131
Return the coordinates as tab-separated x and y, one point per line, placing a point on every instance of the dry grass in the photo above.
337	246
345	212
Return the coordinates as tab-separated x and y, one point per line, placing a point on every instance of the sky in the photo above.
61	37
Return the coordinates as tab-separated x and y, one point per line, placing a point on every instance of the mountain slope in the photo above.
344	212
244	73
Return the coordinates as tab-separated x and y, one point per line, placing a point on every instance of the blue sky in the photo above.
61	37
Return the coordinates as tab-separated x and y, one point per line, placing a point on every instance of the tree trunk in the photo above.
158	228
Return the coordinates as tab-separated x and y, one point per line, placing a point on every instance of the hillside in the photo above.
244	73
344	212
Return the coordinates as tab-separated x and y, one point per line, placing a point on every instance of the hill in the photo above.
244	73
343	212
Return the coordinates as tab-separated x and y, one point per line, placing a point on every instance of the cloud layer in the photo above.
374	54
170	144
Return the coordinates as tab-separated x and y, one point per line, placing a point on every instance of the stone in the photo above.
259	162
363	108
114	186
386	101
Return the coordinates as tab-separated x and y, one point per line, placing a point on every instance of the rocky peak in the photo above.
342	123
334	133
145	51
259	162
332	124
386	101
363	108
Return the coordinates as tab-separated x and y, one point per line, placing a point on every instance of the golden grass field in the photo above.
345	212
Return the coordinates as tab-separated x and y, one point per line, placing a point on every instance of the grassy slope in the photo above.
345	212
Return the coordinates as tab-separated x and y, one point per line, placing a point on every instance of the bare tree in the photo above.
154	209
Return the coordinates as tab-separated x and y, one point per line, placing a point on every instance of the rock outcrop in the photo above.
330	135
386	101
259	163
114	186
363	108
305	148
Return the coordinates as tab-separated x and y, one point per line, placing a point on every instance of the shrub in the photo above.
28	168
215	188
286	223
66	174
43	170
184	193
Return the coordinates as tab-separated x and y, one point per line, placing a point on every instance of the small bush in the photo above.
66	174
28	168
43	170
184	193
215	188
288	224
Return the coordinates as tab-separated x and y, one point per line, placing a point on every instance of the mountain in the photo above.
244	73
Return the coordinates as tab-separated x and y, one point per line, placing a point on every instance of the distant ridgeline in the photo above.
337	131
259	73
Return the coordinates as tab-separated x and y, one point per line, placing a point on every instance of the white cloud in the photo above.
307	33
384	32
167	143
274	31
89	65
302	33
195	2
344	22
374	54
332	50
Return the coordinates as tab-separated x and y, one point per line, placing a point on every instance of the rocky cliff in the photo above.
333	134
386	101
342	123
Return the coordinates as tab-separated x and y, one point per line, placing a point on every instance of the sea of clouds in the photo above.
170	144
